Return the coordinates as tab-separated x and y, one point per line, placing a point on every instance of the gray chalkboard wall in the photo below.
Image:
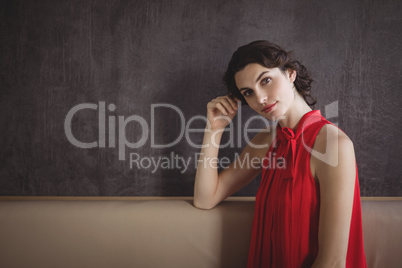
102	65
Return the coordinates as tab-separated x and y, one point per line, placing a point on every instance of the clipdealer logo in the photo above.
107	125
175	161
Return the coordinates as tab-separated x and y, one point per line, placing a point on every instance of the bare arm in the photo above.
210	188
336	173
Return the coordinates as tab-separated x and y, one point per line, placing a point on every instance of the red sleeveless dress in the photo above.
287	205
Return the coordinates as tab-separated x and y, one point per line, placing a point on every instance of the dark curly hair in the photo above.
269	55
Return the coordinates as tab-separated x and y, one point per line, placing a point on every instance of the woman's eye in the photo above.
247	92
265	81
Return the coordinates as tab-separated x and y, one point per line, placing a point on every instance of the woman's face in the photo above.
267	91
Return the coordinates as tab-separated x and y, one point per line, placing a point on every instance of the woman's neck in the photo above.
295	113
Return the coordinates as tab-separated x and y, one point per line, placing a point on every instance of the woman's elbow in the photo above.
203	204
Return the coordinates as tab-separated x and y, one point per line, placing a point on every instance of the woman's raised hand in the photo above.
220	111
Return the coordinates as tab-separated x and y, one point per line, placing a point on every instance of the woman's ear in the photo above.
291	74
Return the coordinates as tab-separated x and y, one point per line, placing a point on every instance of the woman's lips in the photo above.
268	108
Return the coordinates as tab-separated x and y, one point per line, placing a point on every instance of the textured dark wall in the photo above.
58	54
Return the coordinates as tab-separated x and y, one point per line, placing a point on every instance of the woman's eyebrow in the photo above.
258	78
261	74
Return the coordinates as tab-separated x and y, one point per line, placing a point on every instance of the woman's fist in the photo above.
220	111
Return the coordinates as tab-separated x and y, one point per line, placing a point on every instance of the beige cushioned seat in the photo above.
158	233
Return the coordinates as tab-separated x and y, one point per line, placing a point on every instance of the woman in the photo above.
307	210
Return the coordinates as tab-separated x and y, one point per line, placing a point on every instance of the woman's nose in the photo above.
262	97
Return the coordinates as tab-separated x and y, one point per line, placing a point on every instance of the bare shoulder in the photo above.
260	143
331	147
330	135
264	137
